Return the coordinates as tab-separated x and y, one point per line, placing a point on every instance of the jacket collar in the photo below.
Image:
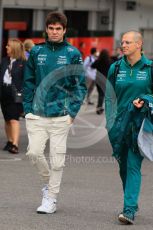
56	45
143	62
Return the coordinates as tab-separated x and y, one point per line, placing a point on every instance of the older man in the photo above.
132	79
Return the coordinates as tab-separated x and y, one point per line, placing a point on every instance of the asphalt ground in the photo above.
91	192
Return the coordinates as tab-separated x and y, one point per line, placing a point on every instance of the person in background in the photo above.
28	44
11	74
54	90
117	54
131	81
90	73
102	65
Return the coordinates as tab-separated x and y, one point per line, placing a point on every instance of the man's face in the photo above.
55	32
129	45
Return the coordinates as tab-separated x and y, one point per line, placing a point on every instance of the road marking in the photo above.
11	159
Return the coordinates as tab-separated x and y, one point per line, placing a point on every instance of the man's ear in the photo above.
64	31
139	44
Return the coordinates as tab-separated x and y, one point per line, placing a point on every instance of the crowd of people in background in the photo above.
101	64
11	85
90	73
28	44
96	66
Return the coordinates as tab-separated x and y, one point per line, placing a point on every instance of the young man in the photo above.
132	80
54	89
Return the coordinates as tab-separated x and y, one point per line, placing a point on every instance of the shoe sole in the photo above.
125	220
43	212
40	212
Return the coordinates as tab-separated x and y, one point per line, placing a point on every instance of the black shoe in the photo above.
7	146
14	149
99	111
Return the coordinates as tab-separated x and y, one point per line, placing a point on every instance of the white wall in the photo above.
52	4
126	20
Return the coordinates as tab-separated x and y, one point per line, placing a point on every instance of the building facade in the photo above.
91	23
135	16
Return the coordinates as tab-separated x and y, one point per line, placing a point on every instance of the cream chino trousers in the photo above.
39	130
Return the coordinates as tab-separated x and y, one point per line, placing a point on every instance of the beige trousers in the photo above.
55	129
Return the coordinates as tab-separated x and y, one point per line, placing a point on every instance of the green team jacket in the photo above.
130	83
54	82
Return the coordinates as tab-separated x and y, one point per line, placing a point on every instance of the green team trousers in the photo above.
130	173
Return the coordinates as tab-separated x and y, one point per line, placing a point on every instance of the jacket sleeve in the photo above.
86	62
29	84
110	99
0	81
3	66
78	86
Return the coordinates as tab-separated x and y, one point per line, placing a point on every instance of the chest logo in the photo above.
42	59
62	60
121	76
141	75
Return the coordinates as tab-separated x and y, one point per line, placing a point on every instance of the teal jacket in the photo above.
130	83
54	82
127	126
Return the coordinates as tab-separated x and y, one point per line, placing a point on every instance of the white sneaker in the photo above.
48	206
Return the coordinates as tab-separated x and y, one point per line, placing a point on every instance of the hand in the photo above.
138	103
70	120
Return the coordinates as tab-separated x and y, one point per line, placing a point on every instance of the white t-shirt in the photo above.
90	72
7	78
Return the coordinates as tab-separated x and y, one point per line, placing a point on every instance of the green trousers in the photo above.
130	173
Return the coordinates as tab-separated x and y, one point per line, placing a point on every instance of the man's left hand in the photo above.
138	103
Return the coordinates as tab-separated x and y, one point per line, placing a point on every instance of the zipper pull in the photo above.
53	48
131	72
65	106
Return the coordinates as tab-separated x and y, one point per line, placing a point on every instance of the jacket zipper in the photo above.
65	106
131	72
